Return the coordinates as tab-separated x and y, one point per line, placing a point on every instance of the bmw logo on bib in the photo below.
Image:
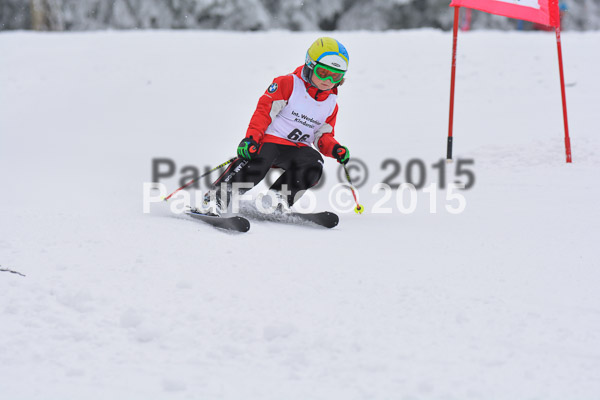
272	88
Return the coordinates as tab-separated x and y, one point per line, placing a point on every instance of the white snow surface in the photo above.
501	301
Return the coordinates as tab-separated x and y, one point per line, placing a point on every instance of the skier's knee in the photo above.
313	174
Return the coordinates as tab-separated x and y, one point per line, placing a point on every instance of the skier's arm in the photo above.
269	105
324	137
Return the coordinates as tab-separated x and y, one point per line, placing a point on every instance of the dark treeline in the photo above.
253	15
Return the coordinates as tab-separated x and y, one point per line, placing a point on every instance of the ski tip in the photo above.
234	224
334	220
244	224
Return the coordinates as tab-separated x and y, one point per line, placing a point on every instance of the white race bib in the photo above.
302	116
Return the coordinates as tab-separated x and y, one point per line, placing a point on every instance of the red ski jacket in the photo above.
271	103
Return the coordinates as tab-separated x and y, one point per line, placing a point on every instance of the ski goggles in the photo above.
325	73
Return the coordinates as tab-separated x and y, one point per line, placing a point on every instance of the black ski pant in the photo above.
303	167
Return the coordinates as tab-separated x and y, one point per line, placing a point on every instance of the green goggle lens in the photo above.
326	73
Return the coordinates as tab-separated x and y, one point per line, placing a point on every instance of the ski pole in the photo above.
359	208
202	176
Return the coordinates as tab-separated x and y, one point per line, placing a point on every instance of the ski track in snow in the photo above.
498	302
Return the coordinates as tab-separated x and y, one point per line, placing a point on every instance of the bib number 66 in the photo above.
297	136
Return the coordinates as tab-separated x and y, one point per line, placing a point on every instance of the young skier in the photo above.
297	111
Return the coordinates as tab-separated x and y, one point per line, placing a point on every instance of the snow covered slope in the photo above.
499	301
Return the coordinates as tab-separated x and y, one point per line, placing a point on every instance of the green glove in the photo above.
247	149
341	154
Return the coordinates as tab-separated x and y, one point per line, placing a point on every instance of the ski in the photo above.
325	219
238	224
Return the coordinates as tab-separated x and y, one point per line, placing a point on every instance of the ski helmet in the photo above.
327	52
